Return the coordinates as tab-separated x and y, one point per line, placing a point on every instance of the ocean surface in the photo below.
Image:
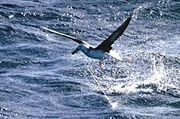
41	79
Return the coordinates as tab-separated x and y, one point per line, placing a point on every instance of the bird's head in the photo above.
82	48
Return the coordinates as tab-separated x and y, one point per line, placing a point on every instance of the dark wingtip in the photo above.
130	16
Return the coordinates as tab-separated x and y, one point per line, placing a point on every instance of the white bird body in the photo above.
96	54
114	54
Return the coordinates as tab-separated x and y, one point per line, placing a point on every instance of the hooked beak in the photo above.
75	51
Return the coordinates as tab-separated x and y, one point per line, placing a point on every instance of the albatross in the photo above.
104	48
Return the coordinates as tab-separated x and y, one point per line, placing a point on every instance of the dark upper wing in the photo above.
62	34
106	44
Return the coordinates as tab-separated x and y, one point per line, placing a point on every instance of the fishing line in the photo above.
99	86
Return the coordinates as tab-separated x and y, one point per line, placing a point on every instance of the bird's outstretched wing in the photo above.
62	34
106	44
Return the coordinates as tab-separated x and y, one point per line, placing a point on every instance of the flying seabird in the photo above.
102	49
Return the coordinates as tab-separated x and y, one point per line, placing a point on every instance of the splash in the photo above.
162	78
114	104
140	9
159	73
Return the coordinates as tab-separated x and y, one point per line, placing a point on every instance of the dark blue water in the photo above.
40	79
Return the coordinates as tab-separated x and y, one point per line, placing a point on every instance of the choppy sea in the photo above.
41	79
